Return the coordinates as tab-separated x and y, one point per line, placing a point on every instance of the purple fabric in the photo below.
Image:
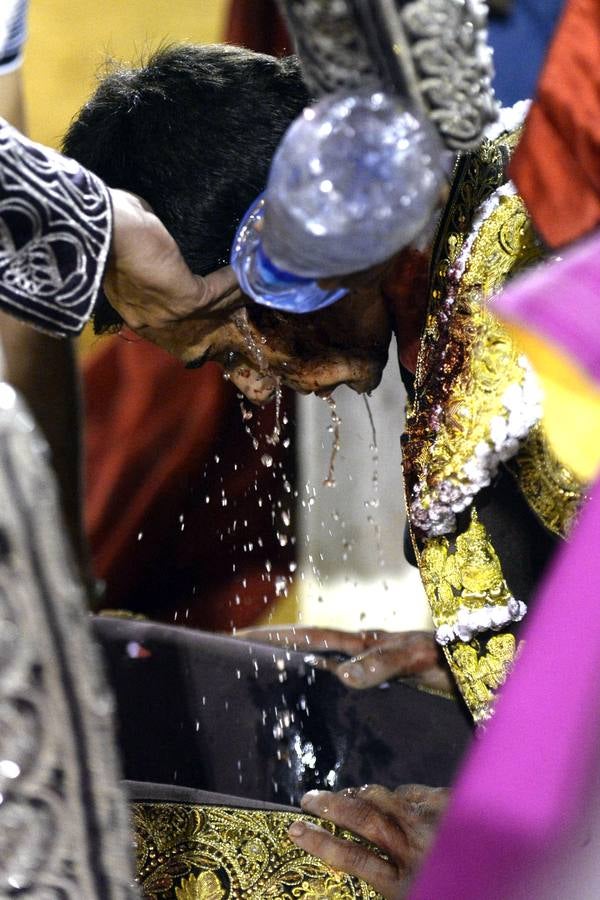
521	793
560	301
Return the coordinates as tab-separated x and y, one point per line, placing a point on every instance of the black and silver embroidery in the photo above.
55	228
432	52
63	821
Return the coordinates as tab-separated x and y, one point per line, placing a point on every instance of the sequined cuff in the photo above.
55	232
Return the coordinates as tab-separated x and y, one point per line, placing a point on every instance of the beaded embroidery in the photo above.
552	490
476	405
221	853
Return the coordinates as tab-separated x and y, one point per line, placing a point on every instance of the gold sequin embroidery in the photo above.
552	490
190	852
205	886
440	448
474	363
466	363
480	668
504	246
466	572
476	177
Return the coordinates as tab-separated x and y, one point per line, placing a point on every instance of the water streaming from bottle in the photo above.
334	429
373	501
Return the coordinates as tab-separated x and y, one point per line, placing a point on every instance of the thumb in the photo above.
217	291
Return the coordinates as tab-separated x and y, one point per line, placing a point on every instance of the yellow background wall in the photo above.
69	40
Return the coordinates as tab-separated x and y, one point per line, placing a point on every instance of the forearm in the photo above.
12	107
45	371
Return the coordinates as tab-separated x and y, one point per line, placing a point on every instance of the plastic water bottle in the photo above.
355	179
265	282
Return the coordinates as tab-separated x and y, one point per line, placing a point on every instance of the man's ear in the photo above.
220	292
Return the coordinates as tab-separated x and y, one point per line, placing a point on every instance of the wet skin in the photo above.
401	823
347	343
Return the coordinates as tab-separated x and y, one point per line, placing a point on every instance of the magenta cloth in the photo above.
521	797
561	301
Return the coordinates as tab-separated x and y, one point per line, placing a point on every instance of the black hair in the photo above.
192	132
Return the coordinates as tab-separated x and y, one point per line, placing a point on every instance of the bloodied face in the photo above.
347	343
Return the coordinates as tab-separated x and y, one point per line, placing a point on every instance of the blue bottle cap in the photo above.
265	282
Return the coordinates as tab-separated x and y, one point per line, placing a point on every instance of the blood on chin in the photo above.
318	377
261	393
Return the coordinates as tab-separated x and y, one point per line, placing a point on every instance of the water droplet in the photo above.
373	502
266	460
255	352
9	769
334	429
273	438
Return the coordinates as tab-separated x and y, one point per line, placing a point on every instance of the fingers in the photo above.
404	655
346	855
218	291
426	803
376	656
303	639
401	823
363	812
147	279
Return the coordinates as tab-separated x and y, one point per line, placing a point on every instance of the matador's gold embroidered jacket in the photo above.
475	418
